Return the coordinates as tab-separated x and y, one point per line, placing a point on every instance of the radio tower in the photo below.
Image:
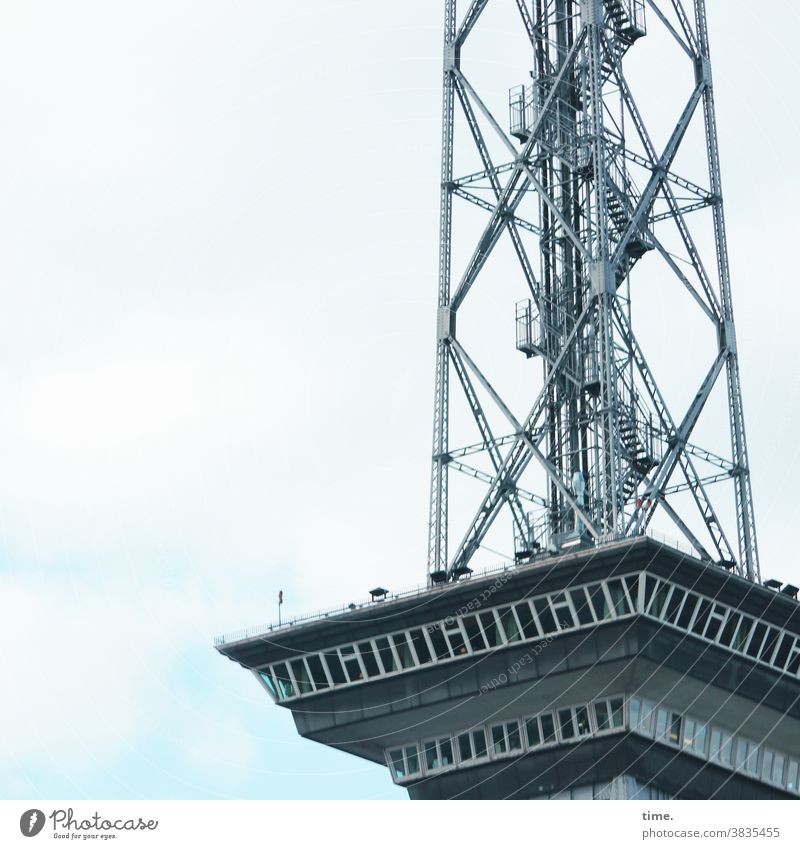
597	662
584	193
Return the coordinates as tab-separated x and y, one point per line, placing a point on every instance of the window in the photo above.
759	632
317	671
562	611
452	630
439	643
768	646
526	620
721	745
619	599
582	608
792	776
632	585
729	629
545	615
601	716
474	633
715	620
673	606
599	602
782	653
490	628
742	634
565	723
301	676
650	584
582	721
548	728
386	654
368	656
403	650
505	738
352	665
687	611
532	732
437	754
472	745
509	623
285	683
404	762
335	668
617	713
642	716
694	736
746	756
660	600
701	617
778	769
668	726
397	763
267	679
421	645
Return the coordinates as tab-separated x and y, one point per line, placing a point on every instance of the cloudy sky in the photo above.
218	266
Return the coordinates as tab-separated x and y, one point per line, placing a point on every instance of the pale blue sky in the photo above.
219	239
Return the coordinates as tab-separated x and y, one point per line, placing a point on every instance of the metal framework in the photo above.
584	189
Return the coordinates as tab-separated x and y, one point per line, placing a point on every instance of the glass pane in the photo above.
792	775
599	602
662	722
766	766
632	583
474	633
742	750
740	641
582	721
301	677
564	616
751	764
335	668
285	685
464	747
649	589
498	739
420	646
431	755
714	622
387	658
700	735
689	606
267	679
635	707
768	646
439	643
368	656
782	655
729	629
351	664
526	620
412	760
659	600
565	724
548	727
446	751
317	672
601	715
759	632
403	650
509	623
778	768
617	713
545	615
396	760
618	598
490	628
479	743
582	607
674	605
455	638
513	736
701	619
675	728
532	730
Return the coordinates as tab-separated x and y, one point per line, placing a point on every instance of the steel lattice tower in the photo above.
583	193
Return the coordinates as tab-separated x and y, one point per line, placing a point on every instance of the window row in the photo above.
708	741
721	624
533	619
528	619
507	738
